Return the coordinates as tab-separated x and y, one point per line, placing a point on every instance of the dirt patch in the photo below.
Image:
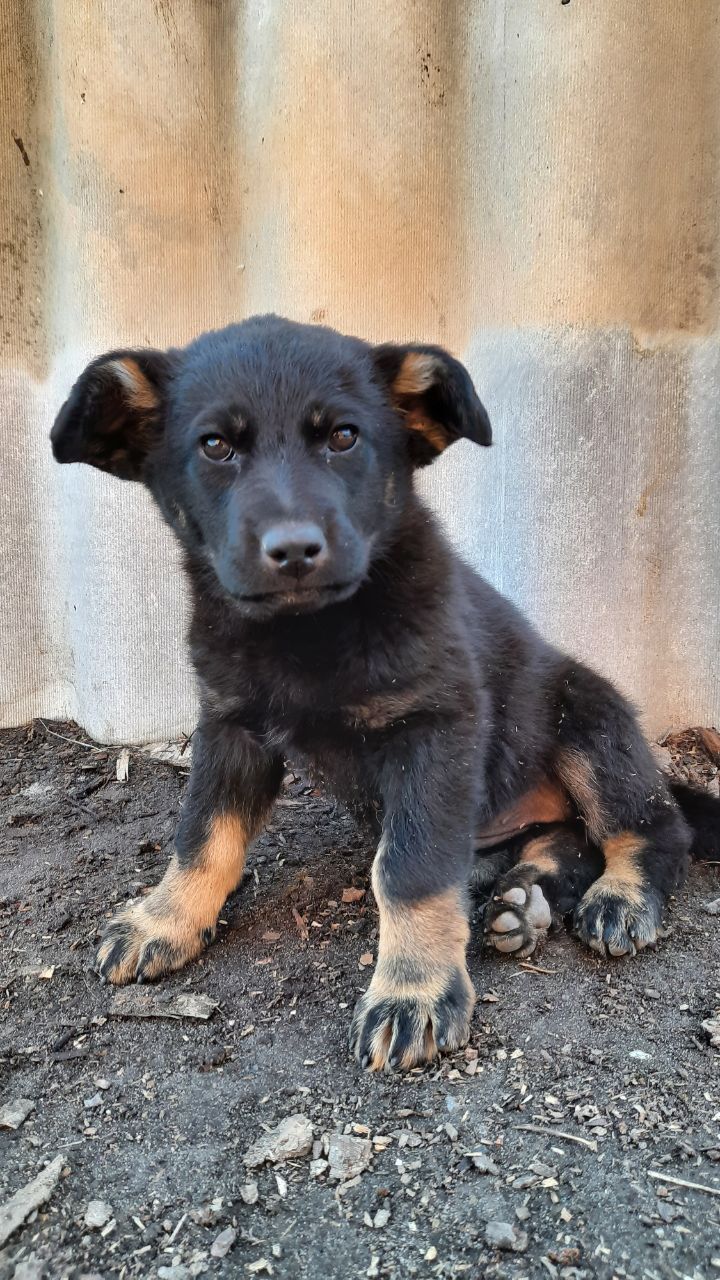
529	1153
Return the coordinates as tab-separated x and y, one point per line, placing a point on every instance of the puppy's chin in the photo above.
294	600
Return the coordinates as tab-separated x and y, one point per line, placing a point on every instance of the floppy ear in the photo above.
113	415
435	396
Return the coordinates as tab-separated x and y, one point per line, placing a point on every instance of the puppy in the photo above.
332	621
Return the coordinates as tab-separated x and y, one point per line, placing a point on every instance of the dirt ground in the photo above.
583	1080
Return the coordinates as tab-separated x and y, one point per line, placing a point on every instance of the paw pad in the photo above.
517	918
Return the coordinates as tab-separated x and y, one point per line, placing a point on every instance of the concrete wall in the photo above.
535	185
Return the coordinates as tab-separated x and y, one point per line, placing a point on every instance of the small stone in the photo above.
31	1268
381	1219
431	1254
177	1272
91	1103
348	1156
353	895
482	1162
223	1243
290	1139
640	1055
249	1193
367	958
711	1026
97	1214
503	1235
15	1113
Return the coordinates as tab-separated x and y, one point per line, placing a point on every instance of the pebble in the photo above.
249	1193
15	1113
31	1268
290	1139
97	1214
348	1156
482	1162
177	1272
223	1243
503	1235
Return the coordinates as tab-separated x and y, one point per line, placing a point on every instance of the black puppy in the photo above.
331	619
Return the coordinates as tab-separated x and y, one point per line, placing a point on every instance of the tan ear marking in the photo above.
415	420
416	374
139	392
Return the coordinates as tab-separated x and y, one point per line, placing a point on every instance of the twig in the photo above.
535	968
77	742
179	1225
558	1133
680	1182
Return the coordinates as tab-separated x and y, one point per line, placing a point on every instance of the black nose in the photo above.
293	548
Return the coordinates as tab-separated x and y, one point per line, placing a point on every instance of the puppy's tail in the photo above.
702	814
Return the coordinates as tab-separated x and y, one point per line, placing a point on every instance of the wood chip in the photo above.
301	924
122	765
15	1113
133	1002
353	895
366	959
19	1207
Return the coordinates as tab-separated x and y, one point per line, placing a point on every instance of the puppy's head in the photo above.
281	454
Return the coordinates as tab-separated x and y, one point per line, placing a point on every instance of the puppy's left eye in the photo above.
216	448
343	438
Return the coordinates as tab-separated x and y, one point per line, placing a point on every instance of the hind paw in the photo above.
613	924
517	917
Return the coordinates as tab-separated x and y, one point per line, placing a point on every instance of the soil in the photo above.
582	1079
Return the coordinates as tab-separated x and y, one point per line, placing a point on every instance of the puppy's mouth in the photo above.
294	598
297	592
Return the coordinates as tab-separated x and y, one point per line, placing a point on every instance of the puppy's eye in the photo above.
216	448
342	438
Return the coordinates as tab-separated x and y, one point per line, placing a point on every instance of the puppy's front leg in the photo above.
232	786
420	999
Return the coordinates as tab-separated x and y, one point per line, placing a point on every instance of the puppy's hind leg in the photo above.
609	771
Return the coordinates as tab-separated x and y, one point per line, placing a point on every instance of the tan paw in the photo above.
401	1025
143	941
619	924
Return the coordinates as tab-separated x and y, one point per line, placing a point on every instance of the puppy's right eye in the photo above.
216	448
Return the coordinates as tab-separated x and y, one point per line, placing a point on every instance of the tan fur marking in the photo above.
622	875
185	904
199	892
383	709
547	802
538	853
577	774
416	374
139	392
422	949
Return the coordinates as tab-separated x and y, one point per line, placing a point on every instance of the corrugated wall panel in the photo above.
536	186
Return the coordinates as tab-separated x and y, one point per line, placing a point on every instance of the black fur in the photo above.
423	696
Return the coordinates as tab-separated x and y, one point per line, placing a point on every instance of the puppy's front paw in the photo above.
618	924
144	941
401	1024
